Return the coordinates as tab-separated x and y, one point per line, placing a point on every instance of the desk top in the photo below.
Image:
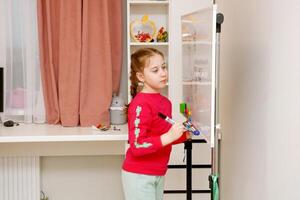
57	133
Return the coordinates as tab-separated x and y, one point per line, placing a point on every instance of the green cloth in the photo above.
215	187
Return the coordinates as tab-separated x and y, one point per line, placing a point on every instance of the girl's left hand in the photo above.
188	135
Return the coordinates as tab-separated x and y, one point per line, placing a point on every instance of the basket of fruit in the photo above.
143	30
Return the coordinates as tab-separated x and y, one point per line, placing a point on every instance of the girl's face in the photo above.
155	75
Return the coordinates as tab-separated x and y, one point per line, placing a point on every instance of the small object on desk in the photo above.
116	129
101	127
10	123
105	128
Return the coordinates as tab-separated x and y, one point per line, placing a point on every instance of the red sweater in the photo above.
146	155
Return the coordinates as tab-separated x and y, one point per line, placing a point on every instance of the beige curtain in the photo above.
81	49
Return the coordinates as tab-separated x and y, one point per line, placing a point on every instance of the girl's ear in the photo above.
140	76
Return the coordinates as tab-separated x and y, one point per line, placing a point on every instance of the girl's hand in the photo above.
176	131
188	135
173	134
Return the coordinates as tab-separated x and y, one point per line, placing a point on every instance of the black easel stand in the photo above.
188	147
188	167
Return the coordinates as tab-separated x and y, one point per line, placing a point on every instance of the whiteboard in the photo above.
198	30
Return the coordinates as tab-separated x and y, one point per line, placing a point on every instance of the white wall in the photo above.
260	77
82	177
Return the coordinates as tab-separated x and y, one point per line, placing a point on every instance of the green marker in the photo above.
182	108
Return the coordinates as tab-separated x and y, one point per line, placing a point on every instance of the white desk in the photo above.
48	140
21	148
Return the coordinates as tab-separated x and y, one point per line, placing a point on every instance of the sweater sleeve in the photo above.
182	139
139	124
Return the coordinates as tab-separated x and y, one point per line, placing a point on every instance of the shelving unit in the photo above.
158	11
195	85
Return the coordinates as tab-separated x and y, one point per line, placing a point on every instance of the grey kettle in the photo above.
117	111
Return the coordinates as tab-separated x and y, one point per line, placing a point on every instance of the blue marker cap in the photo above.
196	132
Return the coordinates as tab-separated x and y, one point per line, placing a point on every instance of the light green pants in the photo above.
142	187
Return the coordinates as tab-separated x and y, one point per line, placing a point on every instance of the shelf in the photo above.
195	83
148	2
149	43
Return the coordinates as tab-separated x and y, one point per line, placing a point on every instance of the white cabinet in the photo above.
156	13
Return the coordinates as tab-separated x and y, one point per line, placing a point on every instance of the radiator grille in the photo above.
19	178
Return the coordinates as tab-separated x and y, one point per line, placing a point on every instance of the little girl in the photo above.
150	137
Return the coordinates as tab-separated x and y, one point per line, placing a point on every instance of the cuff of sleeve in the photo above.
157	142
182	139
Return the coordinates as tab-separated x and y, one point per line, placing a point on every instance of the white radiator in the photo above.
19	178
